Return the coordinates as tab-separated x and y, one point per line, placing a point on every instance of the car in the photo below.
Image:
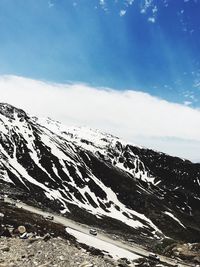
49	217
13	204
93	232
153	256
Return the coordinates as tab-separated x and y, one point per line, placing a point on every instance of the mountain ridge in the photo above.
97	177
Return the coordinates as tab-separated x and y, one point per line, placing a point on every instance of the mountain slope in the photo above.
97	177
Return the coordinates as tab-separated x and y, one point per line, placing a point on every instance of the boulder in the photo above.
47	237
21	229
5	248
5	232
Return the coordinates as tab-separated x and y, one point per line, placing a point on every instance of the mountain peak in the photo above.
11	112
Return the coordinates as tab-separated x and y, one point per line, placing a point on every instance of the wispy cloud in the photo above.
187	103
122	12
152	19
134	116
103	4
50	4
130	2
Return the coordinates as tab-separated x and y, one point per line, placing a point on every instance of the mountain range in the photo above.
97	178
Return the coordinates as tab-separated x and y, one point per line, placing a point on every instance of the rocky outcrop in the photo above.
187	252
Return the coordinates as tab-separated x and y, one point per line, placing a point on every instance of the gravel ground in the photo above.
56	252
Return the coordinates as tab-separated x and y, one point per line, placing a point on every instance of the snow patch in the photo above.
112	250
174	218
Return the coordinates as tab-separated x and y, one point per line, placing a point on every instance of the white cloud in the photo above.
196	84
152	19
155	10
146	5
122	12
130	2
187	103
135	116
103	4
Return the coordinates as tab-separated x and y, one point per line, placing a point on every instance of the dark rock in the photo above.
47	237
5	248
5	232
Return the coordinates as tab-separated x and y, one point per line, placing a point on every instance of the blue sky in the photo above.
145	45
127	67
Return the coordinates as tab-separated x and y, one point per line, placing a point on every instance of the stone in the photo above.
47	237
5	248
197	259
62	258
48	264
32	240
30	255
86	264
21	229
7	265
6	233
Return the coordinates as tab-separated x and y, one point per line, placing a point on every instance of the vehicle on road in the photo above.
93	232
153	256
49	217
12	204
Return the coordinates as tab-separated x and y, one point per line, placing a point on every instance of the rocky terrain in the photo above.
28	239
55	252
189	252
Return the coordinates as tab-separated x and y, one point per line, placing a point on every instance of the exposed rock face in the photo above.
187	252
97	178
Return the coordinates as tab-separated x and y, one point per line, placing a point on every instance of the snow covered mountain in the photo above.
97	178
